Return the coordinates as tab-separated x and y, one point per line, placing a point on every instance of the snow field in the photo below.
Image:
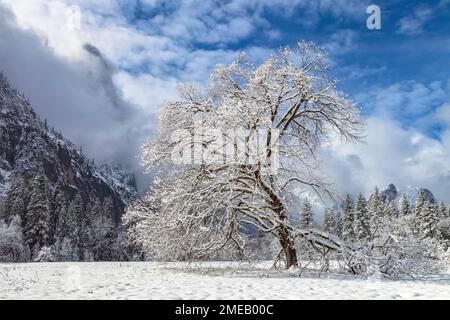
151	280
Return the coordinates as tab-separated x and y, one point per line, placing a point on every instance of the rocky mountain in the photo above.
391	193
29	148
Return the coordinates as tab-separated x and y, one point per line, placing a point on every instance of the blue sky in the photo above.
399	75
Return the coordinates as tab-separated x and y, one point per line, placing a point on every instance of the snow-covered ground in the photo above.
150	280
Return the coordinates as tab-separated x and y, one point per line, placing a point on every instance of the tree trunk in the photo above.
290	254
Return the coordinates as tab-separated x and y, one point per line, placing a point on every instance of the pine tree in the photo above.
392	210
441	210
104	231
38	219
405	206
85	235
428	221
58	210
329	223
420	201
375	212
361	228
347	225
16	201
338	224
306	219
68	229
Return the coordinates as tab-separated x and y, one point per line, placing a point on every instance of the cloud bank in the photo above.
100	76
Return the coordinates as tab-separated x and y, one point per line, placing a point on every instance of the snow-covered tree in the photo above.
375	212
37	224
405	205
104	231
420	201
16	201
428	221
347	227
360	224
306	217
45	255
441	210
288	104
58	212
12	247
68	230
329	223
337	224
391	210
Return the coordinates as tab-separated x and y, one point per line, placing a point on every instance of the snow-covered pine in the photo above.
441	210
348	220
70	229
405	205
361	224
306	217
208	207
329	223
420	201
104	231
37	223
391	210
58	210
337	224
428	221
375	212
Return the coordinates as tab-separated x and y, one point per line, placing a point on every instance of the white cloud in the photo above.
390	154
415	23
146	60
404	99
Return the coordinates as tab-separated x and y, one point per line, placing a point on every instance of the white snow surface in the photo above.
214	280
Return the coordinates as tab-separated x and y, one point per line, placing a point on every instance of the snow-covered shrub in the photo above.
45	255
12	248
65	251
396	252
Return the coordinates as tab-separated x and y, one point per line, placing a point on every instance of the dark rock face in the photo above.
428	195
389	194
28	146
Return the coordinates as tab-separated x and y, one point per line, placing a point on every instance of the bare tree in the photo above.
260	128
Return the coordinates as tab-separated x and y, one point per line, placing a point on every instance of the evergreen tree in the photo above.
85	235
428	221
338	224
58	210
329	223
441	210
347	225
392	210
306	219
37	220
68	230
405	206
104	230
420	201
15	202
375	212
361	228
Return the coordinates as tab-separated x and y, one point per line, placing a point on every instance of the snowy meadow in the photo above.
214	280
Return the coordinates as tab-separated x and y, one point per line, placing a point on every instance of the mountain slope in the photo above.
28	148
